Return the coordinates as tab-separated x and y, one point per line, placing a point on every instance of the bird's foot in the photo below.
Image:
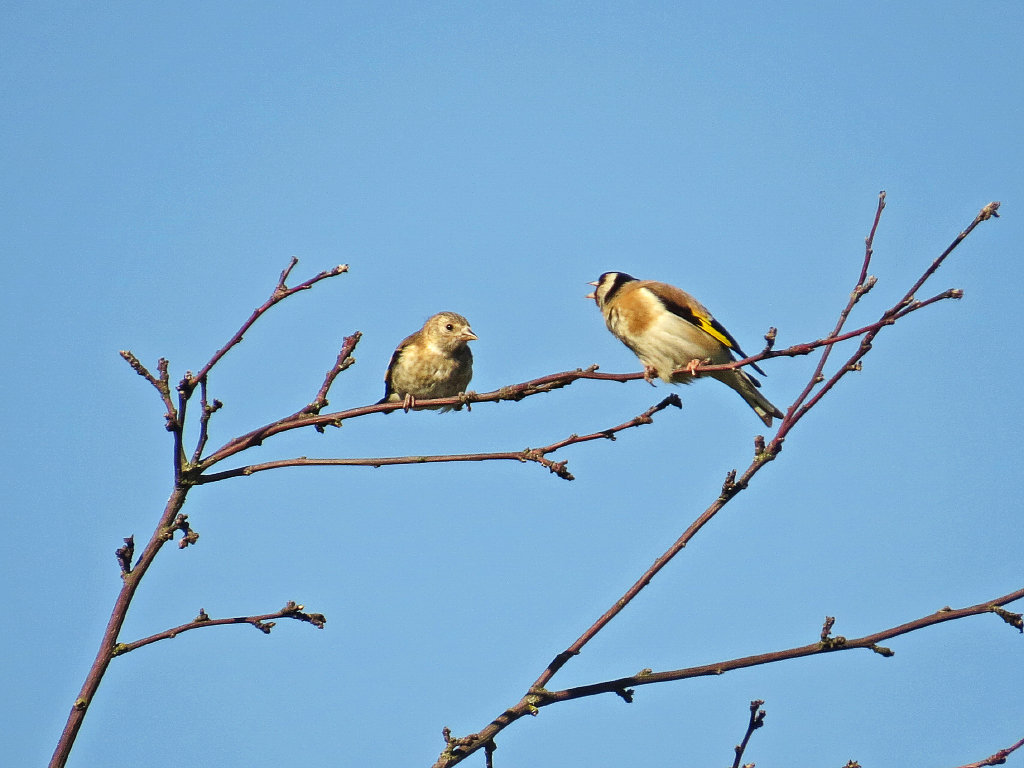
650	374
691	367
408	403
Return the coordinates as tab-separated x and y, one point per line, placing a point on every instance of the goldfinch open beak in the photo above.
591	294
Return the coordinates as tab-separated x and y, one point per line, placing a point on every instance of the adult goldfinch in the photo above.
433	362
668	330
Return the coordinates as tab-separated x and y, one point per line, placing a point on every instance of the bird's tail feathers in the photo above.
746	386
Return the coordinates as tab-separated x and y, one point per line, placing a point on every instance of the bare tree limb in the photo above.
999	758
756	721
263	623
539	697
281	292
538	455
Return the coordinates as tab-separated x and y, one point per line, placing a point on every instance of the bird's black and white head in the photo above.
607	285
448	330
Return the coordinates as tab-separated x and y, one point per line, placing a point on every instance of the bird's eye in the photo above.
449	327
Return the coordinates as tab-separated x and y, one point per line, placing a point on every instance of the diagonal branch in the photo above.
999	758
264	624
538	455
764	454
281	292
824	645
344	360
539	697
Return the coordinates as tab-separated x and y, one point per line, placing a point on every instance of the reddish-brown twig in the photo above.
344	360
538	455
539	697
263	623
171	519
999	758
281	292
756	720
764	454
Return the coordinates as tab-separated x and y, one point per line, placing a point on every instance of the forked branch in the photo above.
817	387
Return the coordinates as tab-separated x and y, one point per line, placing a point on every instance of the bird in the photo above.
670	330
436	361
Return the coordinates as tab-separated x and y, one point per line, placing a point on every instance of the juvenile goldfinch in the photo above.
433	362
668	330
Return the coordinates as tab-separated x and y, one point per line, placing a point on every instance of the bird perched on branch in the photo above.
436	361
669	330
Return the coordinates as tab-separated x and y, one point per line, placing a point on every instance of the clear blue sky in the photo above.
160	164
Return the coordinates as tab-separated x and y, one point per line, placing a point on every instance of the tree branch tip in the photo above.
264	626
124	555
826	627
989	211
881	650
1013	619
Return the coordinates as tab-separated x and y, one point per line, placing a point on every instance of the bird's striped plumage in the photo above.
667	329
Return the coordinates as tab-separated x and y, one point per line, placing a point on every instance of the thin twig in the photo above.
756	721
344	360
263	623
999	758
538	455
281	291
162	385
539	697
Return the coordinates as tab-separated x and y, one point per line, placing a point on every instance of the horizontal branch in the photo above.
825	645
514	392
537	455
263	623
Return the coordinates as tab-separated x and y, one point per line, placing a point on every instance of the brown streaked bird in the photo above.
670	330
436	361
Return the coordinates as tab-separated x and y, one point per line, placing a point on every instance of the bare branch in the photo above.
539	697
825	645
538	455
512	393
757	716
281	292
263	623
999	758
764	453
162	385
344	360
204	420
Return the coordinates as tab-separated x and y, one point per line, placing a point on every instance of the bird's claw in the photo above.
691	367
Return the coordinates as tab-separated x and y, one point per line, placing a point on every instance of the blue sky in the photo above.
161	165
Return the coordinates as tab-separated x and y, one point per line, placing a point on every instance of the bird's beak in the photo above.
591	294
468	335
